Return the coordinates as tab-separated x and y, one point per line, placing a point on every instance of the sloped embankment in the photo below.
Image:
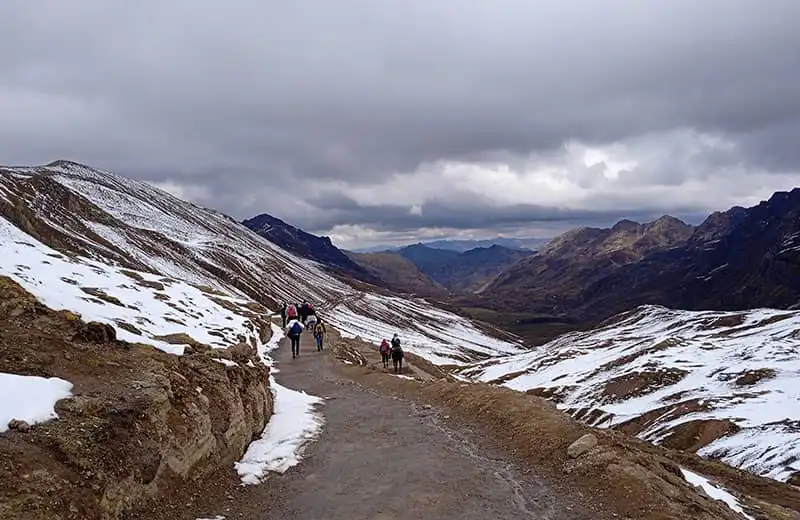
140	421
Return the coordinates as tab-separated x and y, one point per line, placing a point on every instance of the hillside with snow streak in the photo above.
723	384
124	223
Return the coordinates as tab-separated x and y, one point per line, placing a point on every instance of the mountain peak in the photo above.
625	225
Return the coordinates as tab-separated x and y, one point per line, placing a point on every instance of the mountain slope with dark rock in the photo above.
738	259
306	245
552	282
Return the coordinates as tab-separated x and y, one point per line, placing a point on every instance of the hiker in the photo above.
284	307
319	334
305	309
291	313
311	322
397	354
293	330
385	349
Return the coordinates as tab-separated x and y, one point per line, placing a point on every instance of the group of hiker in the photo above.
392	350
299	317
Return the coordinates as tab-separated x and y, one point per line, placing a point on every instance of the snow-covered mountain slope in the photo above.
122	223
439	336
144	308
720	383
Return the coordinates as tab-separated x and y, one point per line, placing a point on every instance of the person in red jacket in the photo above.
385	349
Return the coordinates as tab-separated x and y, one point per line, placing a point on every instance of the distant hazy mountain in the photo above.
459	272
522	244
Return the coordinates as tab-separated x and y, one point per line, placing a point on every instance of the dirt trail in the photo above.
381	457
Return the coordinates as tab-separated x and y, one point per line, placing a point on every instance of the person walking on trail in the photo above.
293	330
305	311
385	350
397	354
291	313
319	334
311	323
284	308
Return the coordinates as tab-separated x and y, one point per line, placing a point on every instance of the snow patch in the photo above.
294	424
30	398
715	492
227	362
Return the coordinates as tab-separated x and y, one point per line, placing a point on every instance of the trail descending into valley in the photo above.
382	457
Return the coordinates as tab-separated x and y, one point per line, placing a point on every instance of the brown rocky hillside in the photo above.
551	282
399	274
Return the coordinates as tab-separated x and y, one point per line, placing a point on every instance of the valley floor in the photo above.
380	456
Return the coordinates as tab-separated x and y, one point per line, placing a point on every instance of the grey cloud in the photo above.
468	213
246	97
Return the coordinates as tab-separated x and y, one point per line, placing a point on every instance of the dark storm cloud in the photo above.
467	213
235	100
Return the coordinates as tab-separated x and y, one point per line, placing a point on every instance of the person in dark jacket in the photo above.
397	354
284	308
293	329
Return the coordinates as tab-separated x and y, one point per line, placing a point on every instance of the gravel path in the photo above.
380	457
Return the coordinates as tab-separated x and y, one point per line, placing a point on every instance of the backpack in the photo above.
396	344
384	347
292	311
296	329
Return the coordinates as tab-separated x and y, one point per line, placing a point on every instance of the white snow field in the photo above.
441	337
736	366
97	292
30	398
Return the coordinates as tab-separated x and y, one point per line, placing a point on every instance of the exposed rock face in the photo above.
141	421
581	446
95	332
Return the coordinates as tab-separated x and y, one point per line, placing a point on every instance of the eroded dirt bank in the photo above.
141	423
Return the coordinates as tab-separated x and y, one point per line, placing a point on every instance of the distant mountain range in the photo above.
738	259
529	244
418	269
433	272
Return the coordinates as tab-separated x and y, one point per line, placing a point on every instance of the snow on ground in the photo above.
141	306
30	398
441	337
739	366
294	424
715	492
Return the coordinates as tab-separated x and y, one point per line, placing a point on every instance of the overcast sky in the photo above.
384	120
